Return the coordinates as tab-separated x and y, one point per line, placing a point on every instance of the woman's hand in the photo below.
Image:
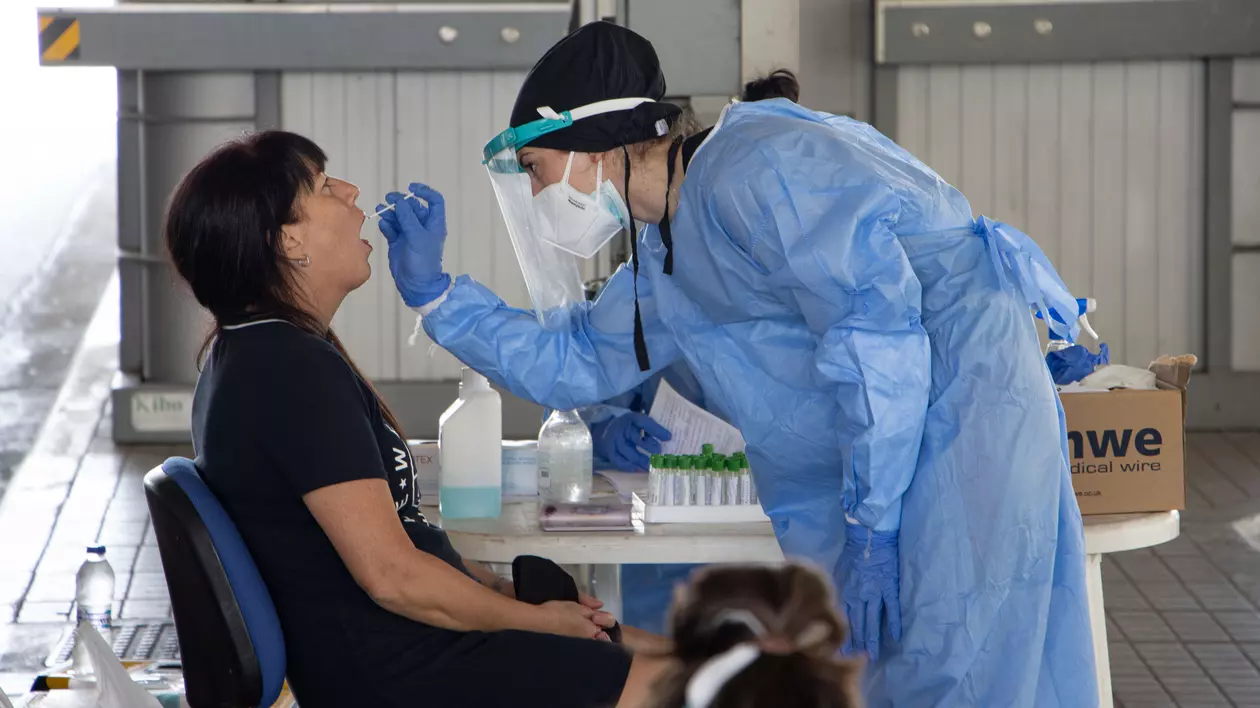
572	619
416	232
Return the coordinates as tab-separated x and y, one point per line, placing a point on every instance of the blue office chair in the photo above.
229	635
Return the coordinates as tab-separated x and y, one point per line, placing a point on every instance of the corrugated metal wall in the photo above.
383	131
1246	216
1101	163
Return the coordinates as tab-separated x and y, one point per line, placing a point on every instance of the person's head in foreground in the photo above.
757	636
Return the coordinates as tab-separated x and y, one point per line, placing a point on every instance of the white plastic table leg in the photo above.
1098	628
608	587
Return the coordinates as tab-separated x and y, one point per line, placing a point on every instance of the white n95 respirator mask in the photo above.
577	222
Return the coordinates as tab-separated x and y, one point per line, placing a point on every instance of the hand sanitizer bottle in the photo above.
470	452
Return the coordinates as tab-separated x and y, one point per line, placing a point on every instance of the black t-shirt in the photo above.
278	413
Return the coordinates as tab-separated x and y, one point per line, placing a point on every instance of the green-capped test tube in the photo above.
752	485
700	481
654	479
745	481
716	474
682	485
706	449
668	473
731	482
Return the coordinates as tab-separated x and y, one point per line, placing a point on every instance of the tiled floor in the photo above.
1182	617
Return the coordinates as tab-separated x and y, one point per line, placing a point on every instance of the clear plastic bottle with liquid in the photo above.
470	452
94	598
565	458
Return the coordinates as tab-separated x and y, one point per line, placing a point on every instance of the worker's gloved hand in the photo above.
416	233
870	573
1076	362
623	440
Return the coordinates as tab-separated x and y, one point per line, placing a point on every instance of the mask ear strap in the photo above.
667	236
640	343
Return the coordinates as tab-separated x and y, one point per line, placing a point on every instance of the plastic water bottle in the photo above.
470	452
94	598
565	458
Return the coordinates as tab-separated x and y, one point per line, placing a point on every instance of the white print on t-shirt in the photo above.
405	498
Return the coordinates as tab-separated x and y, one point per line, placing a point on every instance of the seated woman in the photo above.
377	607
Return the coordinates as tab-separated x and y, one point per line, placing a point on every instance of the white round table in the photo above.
516	532
1112	533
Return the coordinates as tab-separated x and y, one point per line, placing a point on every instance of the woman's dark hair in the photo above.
781	83
797	666
223	233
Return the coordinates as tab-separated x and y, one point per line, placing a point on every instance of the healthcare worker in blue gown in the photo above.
839	304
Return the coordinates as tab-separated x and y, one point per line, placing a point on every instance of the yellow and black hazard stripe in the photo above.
58	38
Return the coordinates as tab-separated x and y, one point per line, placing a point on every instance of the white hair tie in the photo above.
713	675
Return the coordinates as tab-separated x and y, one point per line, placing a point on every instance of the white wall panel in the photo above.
1107	207
1180	206
945	120
976	177
1246	330
1247	80
1042	154
383	131
912	111
1246	180
1100	163
1141	182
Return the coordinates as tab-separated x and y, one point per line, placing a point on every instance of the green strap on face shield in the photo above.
516	138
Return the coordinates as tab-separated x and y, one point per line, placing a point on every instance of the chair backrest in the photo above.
229	634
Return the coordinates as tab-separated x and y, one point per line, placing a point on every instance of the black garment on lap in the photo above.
538	580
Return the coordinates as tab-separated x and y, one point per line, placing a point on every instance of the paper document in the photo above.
625	483
692	426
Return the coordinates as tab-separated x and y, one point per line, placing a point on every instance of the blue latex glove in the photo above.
1076	362
871	589
623	439
416	234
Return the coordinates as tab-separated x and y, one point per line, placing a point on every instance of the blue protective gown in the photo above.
647	589
874	344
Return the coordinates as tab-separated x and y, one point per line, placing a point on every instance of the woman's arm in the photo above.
581	365
490	579
359	518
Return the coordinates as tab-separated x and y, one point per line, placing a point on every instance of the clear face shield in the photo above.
551	275
552	231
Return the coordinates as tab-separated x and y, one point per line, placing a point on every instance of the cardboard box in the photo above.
1127	447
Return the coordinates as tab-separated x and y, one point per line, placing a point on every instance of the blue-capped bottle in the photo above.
1085	305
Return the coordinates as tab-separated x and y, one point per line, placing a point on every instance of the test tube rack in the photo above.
696	514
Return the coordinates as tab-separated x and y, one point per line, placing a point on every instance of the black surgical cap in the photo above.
597	62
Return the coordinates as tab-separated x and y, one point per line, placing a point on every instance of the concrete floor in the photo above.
57	230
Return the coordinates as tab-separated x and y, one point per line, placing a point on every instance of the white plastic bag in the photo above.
1120	376
113	688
